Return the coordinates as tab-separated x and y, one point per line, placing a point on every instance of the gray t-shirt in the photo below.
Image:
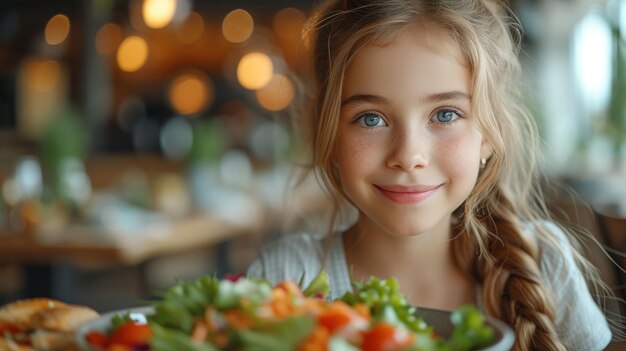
580	323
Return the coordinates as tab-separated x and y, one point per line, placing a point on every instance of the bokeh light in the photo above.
176	138
132	53
269	141
135	15
190	93
57	29
237	26
158	13
254	70
277	94
191	29
42	76
183	10
288	24
108	38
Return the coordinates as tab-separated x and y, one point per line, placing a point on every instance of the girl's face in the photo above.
408	150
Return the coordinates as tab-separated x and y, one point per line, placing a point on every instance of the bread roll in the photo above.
64	319
20	313
48	324
43	340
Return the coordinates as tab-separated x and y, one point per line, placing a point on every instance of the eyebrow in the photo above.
364	98
376	99
449	95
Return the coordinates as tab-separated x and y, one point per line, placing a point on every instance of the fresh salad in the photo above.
251	315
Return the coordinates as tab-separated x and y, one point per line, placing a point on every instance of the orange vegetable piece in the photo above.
131	334
316	341
386	337
119	347
97	339
337	315
290	288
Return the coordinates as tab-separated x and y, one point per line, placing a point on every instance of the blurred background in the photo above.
143	141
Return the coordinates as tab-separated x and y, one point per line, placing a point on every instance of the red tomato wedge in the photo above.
97	339
9	328
131	334
386	337
336	316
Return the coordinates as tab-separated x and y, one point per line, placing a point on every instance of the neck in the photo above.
373	249
422	263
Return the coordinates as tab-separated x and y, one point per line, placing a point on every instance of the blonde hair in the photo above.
506	195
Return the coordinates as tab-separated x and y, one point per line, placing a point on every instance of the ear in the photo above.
486	150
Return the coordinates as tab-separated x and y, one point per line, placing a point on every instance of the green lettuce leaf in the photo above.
281	335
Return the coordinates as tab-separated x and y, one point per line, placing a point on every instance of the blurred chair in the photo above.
612	225
603	235
578	216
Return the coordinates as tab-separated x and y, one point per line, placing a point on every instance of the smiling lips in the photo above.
407	194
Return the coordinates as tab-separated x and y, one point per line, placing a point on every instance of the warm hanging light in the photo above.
254	70
132	53
277	94
237	26
108	38
42	76
57	29
158	13
190	93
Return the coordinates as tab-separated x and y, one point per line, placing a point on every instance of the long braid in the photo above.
513	288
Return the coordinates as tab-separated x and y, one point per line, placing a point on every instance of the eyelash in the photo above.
455	110
360	116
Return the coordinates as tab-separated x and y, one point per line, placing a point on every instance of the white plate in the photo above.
439	320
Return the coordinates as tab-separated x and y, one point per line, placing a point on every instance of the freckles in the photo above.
354	153
460	154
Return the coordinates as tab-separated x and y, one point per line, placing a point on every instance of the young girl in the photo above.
417	124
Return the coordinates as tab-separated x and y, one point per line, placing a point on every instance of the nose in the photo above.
409	150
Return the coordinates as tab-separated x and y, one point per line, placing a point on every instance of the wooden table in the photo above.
51	268
82	244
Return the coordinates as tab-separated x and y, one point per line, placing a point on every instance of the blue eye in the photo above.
446	116
371	120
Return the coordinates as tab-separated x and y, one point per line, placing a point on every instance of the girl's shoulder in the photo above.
544	230
552	239
554	244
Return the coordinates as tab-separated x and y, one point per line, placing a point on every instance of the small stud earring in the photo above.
483	162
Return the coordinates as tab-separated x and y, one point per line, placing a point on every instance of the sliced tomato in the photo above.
336	316
9	328
131	334
97	339
386	337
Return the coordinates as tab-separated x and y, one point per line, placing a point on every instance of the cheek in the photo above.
354	154
460	156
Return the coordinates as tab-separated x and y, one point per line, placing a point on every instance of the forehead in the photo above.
421	59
